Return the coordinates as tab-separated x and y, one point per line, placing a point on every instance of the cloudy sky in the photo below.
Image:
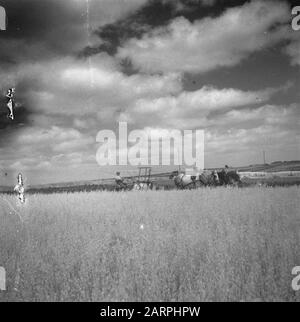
81	66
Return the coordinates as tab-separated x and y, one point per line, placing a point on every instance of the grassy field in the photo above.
205	245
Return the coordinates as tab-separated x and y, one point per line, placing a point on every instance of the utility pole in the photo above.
179	161
264	156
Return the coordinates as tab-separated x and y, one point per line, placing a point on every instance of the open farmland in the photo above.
221	244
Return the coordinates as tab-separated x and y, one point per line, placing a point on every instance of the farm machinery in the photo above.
144	181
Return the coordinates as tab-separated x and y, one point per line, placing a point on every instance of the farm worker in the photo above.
119	180
215	175
225	170
224	175
10	102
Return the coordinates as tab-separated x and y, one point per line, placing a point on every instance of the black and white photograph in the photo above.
149	153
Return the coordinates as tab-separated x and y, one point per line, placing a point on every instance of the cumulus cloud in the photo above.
192	109
41	136
104	95
72	100
74	87
209	43
40	151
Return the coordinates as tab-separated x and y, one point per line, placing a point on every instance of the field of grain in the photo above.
222	244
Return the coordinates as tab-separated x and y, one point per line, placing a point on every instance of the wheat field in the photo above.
221	244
